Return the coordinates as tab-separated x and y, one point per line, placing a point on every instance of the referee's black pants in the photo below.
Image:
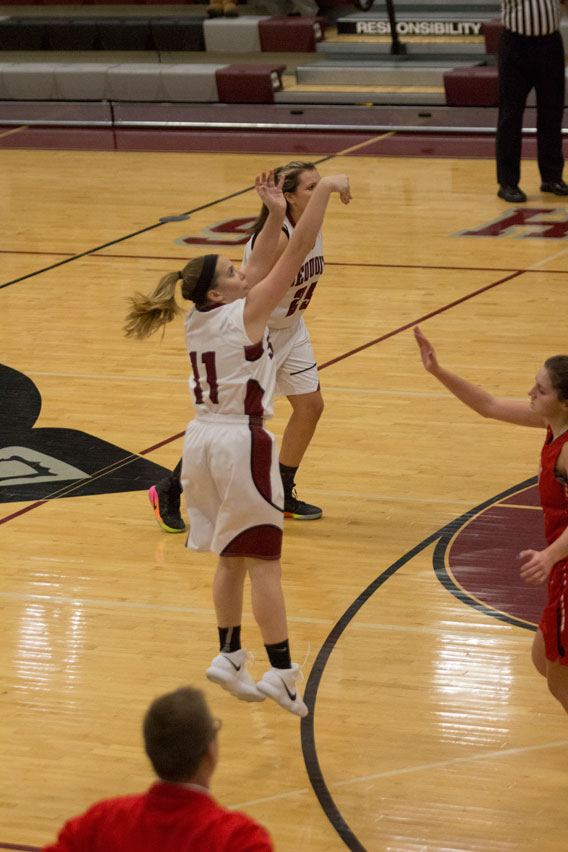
527	62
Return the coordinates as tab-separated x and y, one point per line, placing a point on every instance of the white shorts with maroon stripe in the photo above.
232	487
296	367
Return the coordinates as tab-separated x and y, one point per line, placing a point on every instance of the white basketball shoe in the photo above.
280	685
229	671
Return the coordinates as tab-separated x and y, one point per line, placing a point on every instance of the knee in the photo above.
314	407
539	661
559	691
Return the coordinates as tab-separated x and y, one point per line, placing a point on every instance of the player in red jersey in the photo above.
548	408
230	476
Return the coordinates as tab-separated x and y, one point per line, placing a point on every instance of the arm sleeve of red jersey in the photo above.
75	835
249	836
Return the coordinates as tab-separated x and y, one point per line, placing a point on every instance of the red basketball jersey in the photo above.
553	492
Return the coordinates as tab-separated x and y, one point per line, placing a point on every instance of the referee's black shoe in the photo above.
512	194
558	187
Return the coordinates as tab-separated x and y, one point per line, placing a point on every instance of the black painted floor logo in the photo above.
43	463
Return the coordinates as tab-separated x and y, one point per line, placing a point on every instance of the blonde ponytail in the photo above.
149	313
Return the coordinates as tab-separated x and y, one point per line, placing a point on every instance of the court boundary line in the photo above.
307	733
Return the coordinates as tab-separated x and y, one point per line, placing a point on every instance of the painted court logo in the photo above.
233	232
42	463
525	223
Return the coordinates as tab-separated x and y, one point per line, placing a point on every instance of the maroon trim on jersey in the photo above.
254	351
210	307
260	458
253	398
197	388
262	542
290	219
208	359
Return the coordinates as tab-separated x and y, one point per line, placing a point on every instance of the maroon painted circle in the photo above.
483	561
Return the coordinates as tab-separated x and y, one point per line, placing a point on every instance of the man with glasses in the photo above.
177	813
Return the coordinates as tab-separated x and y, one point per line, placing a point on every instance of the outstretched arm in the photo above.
262	299
270	242
476	398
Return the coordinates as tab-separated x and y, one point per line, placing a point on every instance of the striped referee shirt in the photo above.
531	17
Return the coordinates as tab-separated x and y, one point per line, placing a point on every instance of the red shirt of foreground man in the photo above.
168	817
177	814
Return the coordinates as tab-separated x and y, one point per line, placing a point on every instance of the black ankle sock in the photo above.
287	474
175	477
229	638
279	655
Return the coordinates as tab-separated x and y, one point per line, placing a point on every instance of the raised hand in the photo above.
340	184
269	192
426	350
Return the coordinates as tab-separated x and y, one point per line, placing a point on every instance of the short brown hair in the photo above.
557	368
178	728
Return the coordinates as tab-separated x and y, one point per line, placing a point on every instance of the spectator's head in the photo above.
180	735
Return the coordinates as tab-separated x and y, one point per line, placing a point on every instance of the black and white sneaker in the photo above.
280	685
229	671
297	509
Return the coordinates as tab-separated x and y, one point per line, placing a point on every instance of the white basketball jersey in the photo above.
230	375
301	290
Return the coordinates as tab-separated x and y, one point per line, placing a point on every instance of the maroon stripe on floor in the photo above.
260	142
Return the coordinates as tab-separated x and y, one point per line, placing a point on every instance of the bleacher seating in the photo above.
249	84
475	86
492	34
293	34
149	79
140	82
240	33
246	34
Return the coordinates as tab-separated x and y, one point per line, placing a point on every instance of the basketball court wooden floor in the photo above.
429	730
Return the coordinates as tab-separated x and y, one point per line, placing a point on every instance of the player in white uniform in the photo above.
297	374
230	476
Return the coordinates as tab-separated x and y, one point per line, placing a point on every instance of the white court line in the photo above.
326	389
487	630
389	497
105	376
547	260
421	767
